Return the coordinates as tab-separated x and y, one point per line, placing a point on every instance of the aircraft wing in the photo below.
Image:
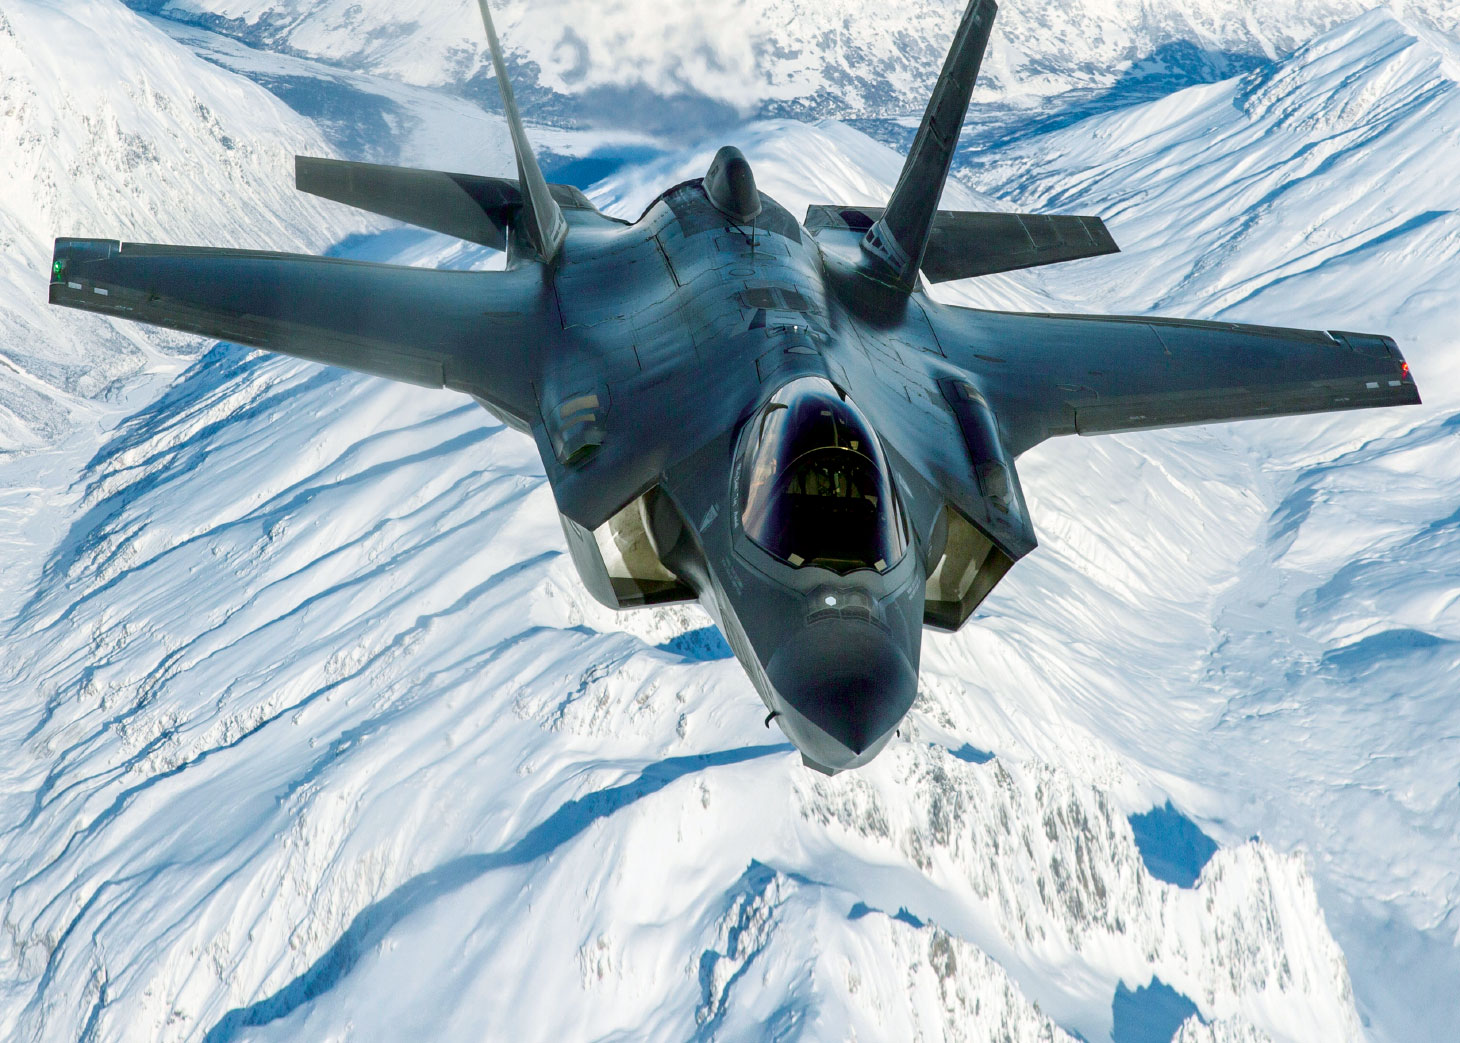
1086	374
469	331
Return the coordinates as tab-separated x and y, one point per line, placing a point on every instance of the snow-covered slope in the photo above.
310	732
107	128
376	119
1306	651
807	57
290	763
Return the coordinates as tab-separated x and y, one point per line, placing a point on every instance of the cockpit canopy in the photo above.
813	485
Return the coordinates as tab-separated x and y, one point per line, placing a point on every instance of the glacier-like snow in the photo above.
109	127
310	731
605	58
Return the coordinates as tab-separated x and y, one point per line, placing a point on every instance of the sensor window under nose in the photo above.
813	483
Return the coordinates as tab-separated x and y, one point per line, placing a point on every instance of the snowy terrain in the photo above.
377	119
618	61
310	731
111	129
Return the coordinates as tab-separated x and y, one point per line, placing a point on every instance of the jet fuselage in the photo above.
832	649
767	415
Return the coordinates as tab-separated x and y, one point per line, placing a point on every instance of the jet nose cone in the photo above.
846	685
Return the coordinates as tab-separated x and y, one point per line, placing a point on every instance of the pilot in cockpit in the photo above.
815	489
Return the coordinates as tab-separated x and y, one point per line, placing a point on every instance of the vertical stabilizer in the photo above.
897	241
542	219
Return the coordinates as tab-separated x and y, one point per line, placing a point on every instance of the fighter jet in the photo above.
766	415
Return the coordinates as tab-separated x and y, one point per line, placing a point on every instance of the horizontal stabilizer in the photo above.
468	206
963	244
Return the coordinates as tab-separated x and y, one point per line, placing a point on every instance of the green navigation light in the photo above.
58	270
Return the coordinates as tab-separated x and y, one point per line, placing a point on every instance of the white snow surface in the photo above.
310	731
845	56
1315	676
424	128
110	129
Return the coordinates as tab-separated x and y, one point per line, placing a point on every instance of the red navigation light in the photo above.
1404	368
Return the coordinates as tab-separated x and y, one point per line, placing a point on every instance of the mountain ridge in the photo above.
312	730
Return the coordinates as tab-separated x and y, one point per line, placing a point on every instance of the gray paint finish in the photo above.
642	358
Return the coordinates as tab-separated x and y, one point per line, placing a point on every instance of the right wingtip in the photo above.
69	252
58	264
1100	234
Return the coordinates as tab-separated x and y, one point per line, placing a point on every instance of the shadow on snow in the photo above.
375	921
1151	1014
1172	846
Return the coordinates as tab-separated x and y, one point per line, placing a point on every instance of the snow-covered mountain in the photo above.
108	127
310	732
1318	675
616	61
376	119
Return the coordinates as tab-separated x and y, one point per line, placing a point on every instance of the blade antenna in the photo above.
896	243
542	217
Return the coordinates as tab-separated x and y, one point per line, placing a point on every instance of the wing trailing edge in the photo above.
896	242
963	244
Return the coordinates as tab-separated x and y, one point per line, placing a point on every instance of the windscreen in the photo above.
814	486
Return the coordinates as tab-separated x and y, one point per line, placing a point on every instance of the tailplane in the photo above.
478	209
896	243
963	244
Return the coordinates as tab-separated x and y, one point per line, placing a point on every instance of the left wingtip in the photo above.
67	256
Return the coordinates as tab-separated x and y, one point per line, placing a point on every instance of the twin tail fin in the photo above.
895	244
527	212
543	223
